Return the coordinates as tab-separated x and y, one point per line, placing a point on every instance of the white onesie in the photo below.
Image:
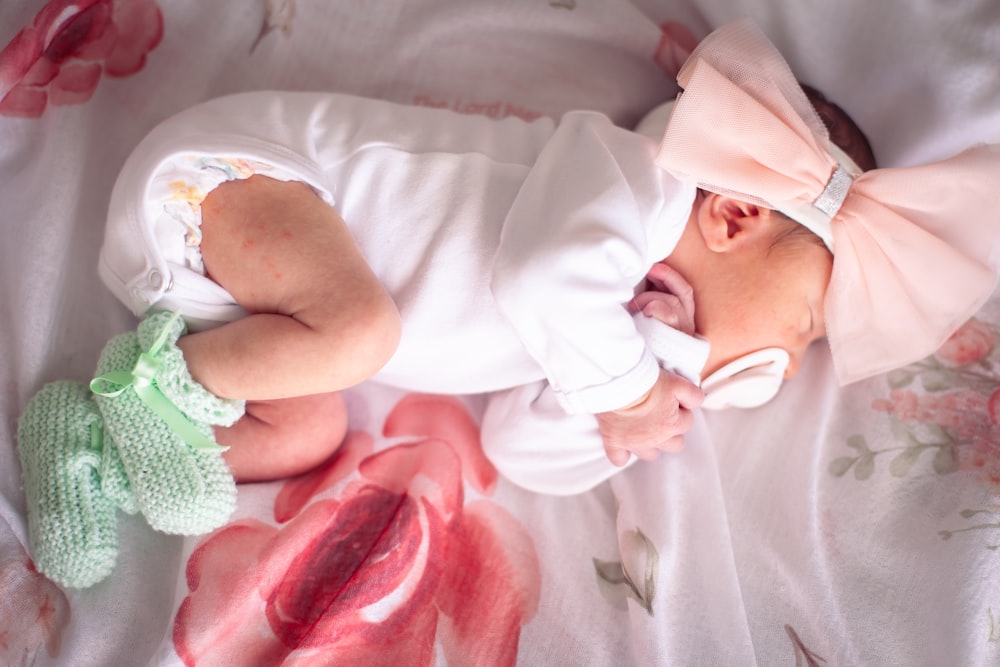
508	246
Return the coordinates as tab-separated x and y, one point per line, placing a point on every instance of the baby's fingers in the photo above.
666	279
618	456
689	395
665	308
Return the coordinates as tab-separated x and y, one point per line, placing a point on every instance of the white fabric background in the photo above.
763	556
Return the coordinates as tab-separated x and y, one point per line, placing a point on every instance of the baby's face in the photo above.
765	297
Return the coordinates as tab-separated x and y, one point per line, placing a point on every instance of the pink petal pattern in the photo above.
59	58
378	560
33	613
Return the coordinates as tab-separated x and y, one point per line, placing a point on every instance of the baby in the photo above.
313	241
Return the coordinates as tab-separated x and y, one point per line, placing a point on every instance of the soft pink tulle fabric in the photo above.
915	249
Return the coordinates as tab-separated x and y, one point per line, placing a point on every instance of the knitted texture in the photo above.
72	524
176	382
114	479
179	489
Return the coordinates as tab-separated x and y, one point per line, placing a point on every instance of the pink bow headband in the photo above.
915	249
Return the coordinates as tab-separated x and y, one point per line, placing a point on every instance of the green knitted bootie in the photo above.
114	479
160	422
72	524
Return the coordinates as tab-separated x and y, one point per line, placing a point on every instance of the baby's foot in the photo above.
72	523
166	445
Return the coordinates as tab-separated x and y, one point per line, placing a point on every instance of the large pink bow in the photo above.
915	249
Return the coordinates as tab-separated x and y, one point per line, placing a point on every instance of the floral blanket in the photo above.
856	526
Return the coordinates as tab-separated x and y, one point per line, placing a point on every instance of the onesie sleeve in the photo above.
590	219
529	438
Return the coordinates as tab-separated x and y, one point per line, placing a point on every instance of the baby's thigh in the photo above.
276	246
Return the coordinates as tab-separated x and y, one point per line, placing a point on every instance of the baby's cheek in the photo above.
743	323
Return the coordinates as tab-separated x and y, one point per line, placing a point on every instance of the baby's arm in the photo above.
659	420
533	442
576	241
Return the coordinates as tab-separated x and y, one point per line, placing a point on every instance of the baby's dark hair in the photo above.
846	134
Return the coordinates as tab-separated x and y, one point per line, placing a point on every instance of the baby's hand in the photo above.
654	424
671	300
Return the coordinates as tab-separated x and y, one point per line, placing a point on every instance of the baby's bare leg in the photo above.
320	319
320	322
284	437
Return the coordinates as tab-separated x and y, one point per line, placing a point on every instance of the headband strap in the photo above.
915	249
835	192
817	216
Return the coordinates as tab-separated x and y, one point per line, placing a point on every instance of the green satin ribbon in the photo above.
142	379
96	437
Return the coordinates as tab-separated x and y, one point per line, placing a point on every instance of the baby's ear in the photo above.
728	224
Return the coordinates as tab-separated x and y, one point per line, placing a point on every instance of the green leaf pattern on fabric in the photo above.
944	418
632	577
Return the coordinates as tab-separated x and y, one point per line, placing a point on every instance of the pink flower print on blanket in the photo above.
959	424
945	408
944	416
60	56
33	613
970	344
380	560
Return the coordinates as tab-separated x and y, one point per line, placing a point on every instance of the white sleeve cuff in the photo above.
616	393
665	348
676	351
531	440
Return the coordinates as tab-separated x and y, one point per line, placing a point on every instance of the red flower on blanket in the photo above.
33	612
60	56
391	565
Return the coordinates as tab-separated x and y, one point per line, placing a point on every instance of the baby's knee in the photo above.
381	330
352	349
